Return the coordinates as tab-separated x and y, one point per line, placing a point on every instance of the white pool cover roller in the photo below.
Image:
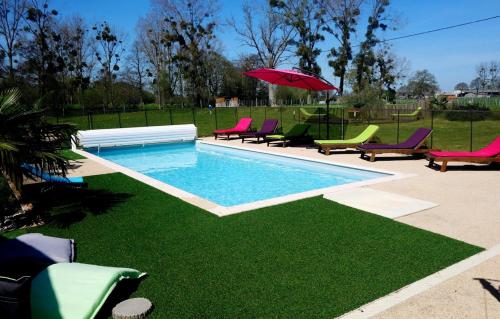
136	135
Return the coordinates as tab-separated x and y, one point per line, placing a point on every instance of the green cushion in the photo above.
275	137
367	134
74	290
414	113
308	114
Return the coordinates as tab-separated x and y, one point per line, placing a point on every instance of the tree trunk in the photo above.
272	94
341	84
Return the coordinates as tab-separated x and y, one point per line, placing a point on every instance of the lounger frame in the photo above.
327	148
476	160
228	134
284	141
421	148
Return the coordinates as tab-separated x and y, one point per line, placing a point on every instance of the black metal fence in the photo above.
453	129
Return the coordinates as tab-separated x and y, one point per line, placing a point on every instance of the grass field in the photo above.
306	259
447	134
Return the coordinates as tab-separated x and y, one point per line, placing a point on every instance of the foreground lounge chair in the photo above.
414	115
297	132
364	137
75	291
415	144
52	179
268	127
487	155
242	127
35	252
21	259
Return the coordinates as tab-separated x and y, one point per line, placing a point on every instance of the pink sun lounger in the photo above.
487	155
242	127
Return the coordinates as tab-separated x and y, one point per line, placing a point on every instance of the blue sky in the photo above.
451	55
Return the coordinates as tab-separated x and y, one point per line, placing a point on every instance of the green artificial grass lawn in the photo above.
307	259
70	155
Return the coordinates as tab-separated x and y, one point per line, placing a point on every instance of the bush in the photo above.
472	112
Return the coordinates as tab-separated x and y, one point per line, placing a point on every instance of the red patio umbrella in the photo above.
299	80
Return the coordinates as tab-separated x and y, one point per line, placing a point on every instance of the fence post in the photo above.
319	126
170	115
119	120
342	124
470	119
397	134
432	127
281	118
194	116
146	116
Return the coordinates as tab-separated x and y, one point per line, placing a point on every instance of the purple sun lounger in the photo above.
268	127
415	144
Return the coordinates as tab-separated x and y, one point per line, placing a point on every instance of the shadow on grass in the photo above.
64	206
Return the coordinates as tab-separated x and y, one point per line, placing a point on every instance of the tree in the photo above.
388	71
482	75
136	69
461	86
251	87
11	23
26	137
108	52
365	59
422	84
191	26
344	17
475	85
41	55
270	37
164	71
77	49
308	19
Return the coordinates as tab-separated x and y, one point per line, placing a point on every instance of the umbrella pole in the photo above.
327	115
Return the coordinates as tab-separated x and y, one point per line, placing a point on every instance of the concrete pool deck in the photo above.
467	210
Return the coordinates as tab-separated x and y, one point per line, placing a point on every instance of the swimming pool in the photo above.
228	176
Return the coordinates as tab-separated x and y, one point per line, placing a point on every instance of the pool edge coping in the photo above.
222	211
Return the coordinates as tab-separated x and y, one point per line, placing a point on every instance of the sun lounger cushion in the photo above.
74	291
412	142
242	126
361	138
52	178
30	253
491	150
297	131
268	127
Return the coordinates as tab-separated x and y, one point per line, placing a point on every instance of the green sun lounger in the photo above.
414	115
364	137
308	115
74	290
298	131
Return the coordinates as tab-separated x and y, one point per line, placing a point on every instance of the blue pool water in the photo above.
228	176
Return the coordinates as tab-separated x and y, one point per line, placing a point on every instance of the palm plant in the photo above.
26	137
